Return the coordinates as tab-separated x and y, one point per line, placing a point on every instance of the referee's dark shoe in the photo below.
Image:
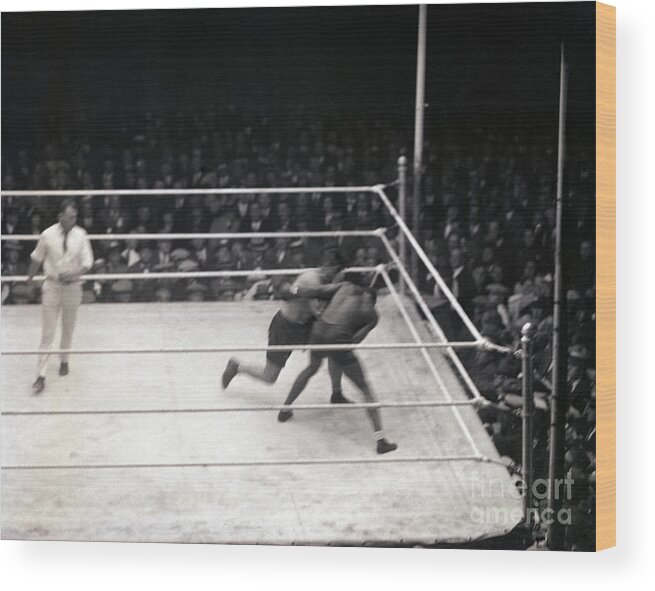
63	369
39	385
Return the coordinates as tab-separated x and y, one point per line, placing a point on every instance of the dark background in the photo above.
482	61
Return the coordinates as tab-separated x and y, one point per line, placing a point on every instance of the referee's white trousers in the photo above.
58	298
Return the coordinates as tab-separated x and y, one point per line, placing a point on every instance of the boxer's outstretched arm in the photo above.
322	292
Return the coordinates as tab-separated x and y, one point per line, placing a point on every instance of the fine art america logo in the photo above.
492	514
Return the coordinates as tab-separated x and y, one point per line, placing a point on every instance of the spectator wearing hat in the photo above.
21	294
162	257
89	220
474	228
582	274
269	214
487	258
121	290
451	223
12	255
179	254
144	221
198	222
115	264
496	301
184	264
279	257
114	218
346	245
527	250
257	223
13	265
12	223
35	223
461	285
168	223
163	294
496	240
143	289
130	254
242	212
95	290
224	223
350	211
285	222
196	291
242	256
199	252
379	215
578	380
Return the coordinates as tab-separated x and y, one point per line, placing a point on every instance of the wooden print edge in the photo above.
605	276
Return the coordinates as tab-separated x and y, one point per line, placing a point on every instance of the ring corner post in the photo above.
402	207
527	334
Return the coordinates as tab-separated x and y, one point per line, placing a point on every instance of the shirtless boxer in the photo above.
291	326
347	319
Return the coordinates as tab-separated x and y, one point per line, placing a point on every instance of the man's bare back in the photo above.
351	308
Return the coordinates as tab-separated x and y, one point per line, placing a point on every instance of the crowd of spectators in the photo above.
487	223
488	226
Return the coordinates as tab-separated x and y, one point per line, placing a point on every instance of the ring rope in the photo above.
413	331
174	192
428	314
241	348
426	261
251	408
208	235
183	274
258	463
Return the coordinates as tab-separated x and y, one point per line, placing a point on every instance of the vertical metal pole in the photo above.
560	357
402	210
418	130
527	333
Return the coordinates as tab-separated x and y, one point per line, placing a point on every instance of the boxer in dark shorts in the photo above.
283	331
291	326
330	334
347	319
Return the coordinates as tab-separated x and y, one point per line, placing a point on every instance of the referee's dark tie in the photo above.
65	238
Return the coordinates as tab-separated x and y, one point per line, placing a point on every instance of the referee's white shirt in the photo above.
76	257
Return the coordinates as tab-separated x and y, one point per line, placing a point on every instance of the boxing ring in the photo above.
140	443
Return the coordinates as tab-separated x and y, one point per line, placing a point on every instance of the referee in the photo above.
65	252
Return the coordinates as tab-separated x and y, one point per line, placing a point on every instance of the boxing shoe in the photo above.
339	398
284	415
231	369
39	385
385	447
